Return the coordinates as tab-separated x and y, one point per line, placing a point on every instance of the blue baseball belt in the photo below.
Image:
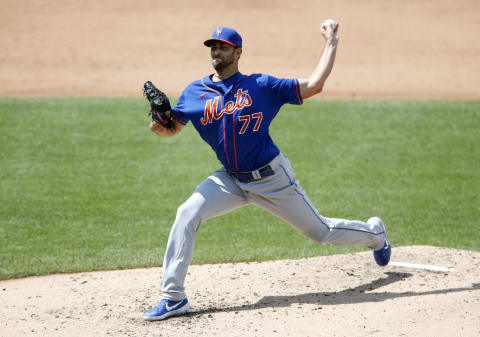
246	177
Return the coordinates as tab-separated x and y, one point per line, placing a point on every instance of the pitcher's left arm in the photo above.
314	84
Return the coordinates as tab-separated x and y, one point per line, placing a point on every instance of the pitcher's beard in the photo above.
219	64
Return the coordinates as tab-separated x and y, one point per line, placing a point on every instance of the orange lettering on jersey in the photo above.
247	101
229	107
210	111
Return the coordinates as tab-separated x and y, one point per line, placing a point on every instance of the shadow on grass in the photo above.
347	296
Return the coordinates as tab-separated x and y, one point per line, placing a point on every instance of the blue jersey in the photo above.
233	116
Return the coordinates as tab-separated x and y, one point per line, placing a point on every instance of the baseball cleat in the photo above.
382	255
167	308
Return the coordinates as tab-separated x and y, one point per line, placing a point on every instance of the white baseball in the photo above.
328	23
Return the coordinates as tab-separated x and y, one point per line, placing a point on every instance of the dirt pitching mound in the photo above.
341	295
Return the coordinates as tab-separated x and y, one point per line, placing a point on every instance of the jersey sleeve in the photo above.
285	90
178	111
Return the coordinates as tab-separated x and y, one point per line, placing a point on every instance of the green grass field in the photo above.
84	185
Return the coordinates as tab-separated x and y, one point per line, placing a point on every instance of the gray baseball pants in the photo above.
280	194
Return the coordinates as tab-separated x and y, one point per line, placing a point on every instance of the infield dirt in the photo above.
388	49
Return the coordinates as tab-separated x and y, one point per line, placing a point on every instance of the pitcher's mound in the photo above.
341	295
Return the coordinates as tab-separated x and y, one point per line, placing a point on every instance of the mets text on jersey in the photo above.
211	110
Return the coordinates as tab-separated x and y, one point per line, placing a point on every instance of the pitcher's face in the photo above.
223	55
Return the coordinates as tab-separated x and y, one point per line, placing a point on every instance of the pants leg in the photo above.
283	196
216	195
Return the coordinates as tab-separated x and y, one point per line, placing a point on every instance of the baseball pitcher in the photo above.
232	112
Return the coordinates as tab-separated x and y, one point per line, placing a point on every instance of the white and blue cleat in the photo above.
167	308
382	255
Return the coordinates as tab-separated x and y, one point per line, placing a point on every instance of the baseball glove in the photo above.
159	105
